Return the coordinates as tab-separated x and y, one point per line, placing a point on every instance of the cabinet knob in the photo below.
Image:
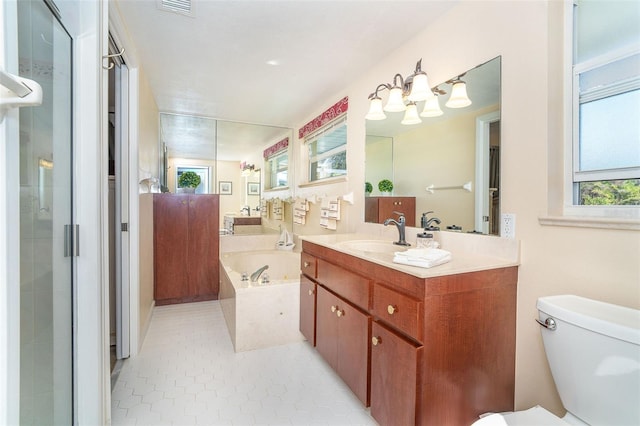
375	341
392	309
306	264
310	292
340	313
333	308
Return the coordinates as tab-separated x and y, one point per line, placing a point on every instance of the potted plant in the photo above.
368	188
188	182
385	186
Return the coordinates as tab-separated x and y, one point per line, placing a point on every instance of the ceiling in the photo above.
269	61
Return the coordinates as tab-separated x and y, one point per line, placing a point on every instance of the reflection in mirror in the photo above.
229	157
45	188
450	163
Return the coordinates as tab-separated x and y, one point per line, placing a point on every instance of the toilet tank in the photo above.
594	355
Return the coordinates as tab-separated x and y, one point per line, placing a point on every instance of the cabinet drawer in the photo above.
355	288
308	265
398	310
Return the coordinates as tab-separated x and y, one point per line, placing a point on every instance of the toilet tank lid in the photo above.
612	320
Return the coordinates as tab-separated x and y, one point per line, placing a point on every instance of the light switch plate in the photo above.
508	225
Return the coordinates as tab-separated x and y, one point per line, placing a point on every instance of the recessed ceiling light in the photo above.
273	62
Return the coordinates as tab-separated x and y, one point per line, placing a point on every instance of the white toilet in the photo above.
593	349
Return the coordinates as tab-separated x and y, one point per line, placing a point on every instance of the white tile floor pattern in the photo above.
188	374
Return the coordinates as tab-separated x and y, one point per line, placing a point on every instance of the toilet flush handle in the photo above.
549	323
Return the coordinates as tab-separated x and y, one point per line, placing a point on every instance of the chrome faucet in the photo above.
400	224
256	274
247	209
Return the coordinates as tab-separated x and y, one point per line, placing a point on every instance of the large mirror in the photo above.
449	163
228	156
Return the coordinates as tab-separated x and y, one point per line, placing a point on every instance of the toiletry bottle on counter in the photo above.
425	240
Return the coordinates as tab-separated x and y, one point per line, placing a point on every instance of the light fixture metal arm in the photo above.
380	87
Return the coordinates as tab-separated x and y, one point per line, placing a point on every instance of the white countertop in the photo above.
470	253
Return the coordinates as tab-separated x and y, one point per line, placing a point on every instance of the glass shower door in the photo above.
46	278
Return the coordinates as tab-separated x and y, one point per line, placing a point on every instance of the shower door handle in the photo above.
71	240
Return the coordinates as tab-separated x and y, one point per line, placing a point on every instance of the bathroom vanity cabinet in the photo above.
235	224
427	351
377	209
185	247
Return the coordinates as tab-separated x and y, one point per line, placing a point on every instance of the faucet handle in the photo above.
399	213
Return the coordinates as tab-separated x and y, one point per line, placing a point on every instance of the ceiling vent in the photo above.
183	7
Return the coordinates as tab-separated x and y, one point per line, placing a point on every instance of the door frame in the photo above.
119	34
122	171
483	125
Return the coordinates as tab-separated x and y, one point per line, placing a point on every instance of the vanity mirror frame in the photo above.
416	160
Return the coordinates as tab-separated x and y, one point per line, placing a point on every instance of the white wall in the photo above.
597	263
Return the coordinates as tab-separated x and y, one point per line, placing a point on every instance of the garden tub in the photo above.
261	314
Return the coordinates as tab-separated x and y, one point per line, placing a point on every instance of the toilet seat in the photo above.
536	416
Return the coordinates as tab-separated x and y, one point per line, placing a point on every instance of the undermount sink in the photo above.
371	246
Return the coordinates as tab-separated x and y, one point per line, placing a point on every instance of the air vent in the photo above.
183	7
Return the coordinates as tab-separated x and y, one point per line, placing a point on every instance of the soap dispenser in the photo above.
425	240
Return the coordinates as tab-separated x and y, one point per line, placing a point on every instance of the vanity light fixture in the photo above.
432	105
404	93
248	169
414	88
375	108
458	98
395	103
411	115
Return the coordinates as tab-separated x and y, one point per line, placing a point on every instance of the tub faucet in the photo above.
400	224
256	274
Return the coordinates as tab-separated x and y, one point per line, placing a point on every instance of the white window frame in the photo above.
619	217
341	120
269	172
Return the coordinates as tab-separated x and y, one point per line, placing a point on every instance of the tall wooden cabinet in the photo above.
186	247
377	209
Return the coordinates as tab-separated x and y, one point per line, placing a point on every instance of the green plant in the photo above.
368	188
188	180
385	185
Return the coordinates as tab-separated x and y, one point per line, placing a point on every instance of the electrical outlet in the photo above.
508	225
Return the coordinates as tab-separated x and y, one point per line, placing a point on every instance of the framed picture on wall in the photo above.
253	188
225	187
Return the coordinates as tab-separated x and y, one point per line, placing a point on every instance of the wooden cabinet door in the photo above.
327	326
308	309
371	210
342	334
394	369
204	234
388	205
353	349
170	224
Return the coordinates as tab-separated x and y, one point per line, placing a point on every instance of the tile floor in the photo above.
188	374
